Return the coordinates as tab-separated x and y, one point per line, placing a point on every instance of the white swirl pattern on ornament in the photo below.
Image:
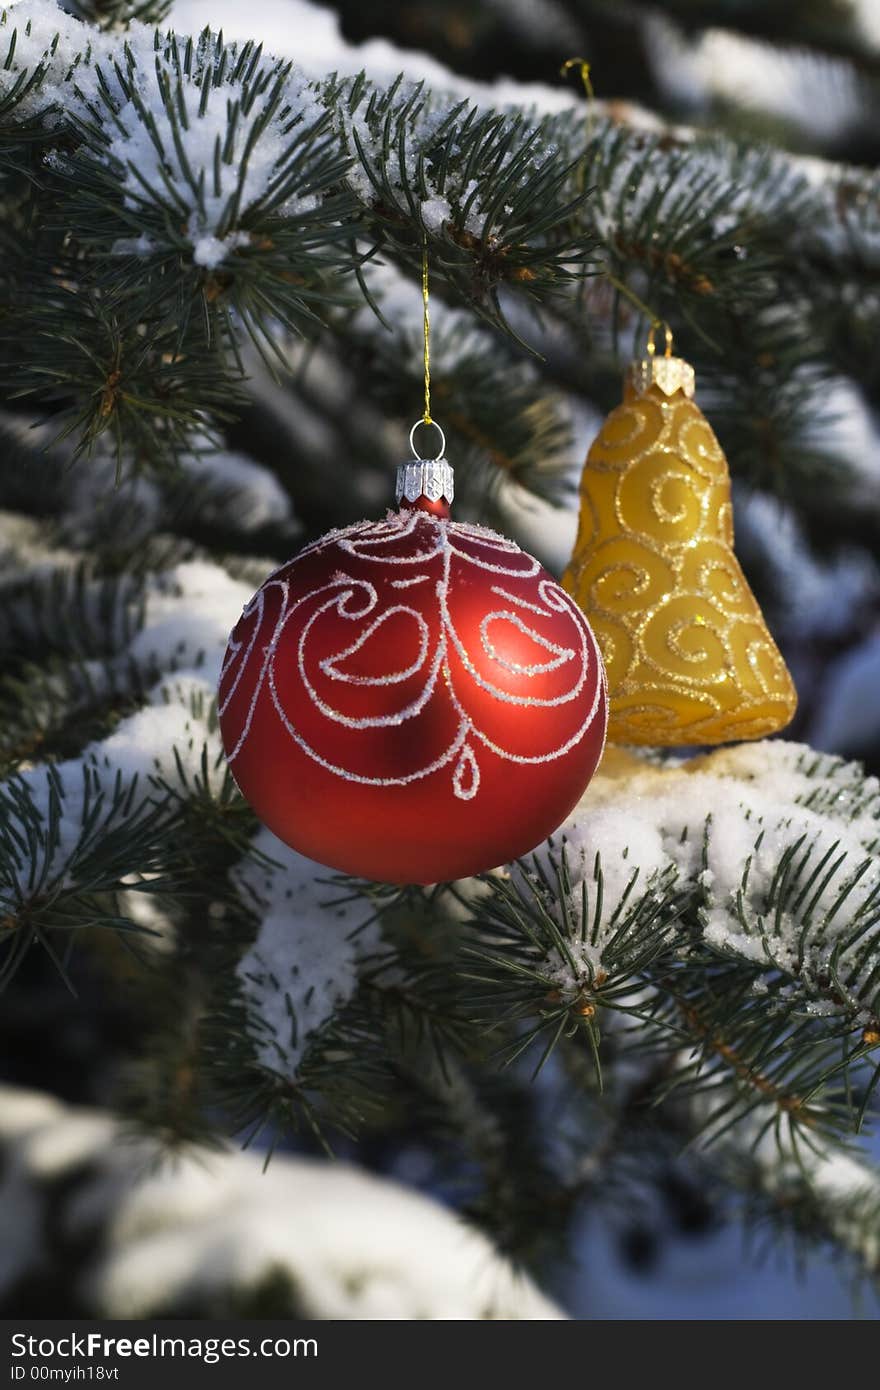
355	598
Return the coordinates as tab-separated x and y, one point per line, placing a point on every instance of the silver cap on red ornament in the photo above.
431	479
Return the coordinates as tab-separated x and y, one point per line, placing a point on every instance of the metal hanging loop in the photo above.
412	442
652	348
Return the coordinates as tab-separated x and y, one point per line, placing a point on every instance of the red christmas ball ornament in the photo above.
414	699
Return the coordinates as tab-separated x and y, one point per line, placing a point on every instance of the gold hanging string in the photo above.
623	288
427	333
583	68
427	418
654	321
584	71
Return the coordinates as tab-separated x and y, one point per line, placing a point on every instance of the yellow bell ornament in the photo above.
687	652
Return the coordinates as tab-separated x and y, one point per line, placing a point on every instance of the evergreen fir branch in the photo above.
544	963
422	172
748	1057
691	220
113	14
828	1199
65	855
502	425
772	997
54	709
253	222
339	1085
500	197
71	612
143	384
490	1142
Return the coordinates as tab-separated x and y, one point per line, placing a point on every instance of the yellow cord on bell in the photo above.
427	326
583	68
584	72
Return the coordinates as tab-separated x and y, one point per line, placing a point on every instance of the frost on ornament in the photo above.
412	700
303	965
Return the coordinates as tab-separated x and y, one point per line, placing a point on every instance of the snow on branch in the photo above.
818	1194
302	967
214	1230
80	825
214	192
781	846
733	901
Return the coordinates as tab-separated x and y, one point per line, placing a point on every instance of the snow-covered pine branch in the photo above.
213	1232
731	902
214	191
178	209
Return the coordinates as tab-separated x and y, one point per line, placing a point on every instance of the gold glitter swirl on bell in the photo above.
688	655
629	432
